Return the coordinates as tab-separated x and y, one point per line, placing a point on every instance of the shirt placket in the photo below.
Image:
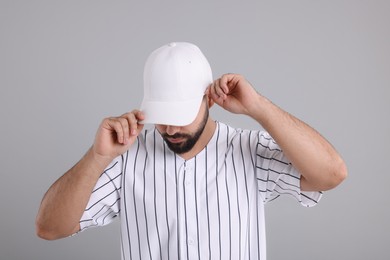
188	221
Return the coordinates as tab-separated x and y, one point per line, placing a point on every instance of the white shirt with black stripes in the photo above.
208	207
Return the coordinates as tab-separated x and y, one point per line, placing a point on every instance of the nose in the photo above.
171	130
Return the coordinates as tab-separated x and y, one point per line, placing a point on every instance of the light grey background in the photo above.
64	65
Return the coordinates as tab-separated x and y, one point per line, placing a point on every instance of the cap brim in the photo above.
171	113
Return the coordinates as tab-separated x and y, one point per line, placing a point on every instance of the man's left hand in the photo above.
234	93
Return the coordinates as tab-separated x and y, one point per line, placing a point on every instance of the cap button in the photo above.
172	44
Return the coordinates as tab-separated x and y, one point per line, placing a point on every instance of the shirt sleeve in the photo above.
277	176
104	204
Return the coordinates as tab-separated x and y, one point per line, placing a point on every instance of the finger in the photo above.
115	126
125	124
129	124
139	115
212	92
133	119
207	91
221	89
224	82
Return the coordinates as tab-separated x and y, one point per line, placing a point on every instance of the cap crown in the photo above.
176	76
176	72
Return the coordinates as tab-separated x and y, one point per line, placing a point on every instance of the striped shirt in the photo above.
207	207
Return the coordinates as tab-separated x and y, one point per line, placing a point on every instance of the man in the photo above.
191	187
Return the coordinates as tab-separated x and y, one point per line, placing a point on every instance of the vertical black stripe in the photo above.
229	212
257	210
124	202
196	210
216	183
134	201
185	208
207	204
247	196
257	228
227	136
154	190
166	200
238	204
251	153
144	201
177	211
228	196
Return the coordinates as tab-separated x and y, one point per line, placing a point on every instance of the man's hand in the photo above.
234	93
116	134
320	165
65	201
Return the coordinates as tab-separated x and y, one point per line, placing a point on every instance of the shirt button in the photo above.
188	180
191	241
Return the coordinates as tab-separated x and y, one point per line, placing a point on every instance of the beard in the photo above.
189	140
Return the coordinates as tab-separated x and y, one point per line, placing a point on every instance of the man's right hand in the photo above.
116	134
65	201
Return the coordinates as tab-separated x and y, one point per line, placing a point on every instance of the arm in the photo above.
65	201
320	165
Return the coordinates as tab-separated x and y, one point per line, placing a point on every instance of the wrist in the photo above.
258	107
100	162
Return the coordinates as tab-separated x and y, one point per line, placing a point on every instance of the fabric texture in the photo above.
208	207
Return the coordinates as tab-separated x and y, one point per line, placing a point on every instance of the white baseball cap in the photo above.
176	77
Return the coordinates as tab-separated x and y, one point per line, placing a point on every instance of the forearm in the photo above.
320	165
65	201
